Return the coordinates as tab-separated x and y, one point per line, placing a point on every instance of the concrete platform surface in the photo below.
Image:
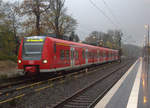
132	90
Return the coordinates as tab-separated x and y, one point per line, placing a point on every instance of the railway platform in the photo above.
132	90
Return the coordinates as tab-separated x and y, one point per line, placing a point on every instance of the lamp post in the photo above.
147	66
147	28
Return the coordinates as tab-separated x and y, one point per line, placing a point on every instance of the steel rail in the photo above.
66	100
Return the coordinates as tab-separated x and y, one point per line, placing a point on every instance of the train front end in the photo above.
31	55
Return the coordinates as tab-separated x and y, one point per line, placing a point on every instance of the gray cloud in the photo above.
132	14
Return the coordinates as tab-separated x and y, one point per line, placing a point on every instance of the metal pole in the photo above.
147	59
148	43
97	38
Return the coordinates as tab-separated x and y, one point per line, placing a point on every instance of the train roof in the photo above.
79	44
70	42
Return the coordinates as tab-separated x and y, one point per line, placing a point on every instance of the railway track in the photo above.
83	99
24	80
8	95
31	80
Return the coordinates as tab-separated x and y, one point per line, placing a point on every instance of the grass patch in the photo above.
3	77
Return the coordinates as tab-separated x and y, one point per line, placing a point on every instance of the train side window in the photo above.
67	54
72	54
77	55
99	54
94	54
83	54
88	54
62	54
103	54
54	47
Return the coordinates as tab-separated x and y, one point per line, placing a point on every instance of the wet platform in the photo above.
132	90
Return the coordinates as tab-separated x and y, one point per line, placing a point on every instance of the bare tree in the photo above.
11	19
74	37
111	39
57	21
57	9
35	8
46	16
8	28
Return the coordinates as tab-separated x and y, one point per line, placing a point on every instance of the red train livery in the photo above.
47	54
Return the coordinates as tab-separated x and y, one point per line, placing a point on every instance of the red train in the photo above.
47	54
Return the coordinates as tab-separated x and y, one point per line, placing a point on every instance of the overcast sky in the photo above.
129	15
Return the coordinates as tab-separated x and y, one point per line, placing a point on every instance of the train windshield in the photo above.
32	49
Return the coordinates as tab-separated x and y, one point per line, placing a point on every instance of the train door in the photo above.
98	57
86	56
72	56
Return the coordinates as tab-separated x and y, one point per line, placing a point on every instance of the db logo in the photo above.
31	62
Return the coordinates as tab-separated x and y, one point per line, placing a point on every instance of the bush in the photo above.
8	57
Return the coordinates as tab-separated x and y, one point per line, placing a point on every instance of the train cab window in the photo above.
32	48
62	54
67	54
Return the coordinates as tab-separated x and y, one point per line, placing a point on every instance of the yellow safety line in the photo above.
10	99
50	80
39	89
56	78
37	83
28	85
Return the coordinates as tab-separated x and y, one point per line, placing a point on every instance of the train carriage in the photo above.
47	54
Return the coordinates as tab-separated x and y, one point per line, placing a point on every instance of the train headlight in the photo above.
19	61
44	61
